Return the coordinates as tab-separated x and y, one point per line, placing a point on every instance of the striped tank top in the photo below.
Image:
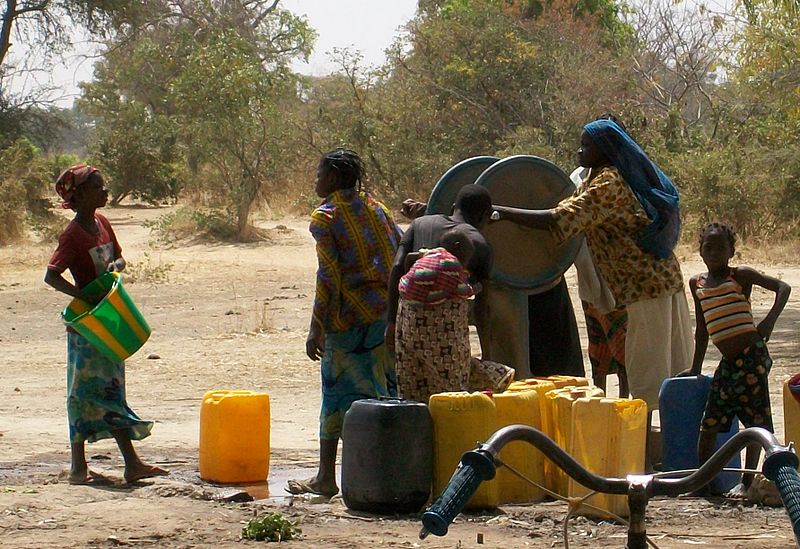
726	310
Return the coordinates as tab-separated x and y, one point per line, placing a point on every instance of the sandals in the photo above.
298	486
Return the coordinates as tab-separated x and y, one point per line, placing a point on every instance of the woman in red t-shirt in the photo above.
96	406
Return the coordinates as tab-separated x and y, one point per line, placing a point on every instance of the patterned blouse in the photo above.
356	243
606	211
434	278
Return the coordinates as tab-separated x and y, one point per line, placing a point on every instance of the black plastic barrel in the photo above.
387	456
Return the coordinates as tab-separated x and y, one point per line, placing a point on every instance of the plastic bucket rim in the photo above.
114	285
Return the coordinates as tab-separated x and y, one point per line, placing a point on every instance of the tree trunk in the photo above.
9	15
249	191
243	228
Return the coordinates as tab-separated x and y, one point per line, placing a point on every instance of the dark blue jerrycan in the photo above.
682	401
387	456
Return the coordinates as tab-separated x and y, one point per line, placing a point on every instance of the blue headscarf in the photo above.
652	188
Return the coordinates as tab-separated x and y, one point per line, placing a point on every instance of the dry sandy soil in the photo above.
235	317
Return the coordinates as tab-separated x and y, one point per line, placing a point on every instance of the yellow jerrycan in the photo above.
234	437
540	386
791	413
519	407
608	438
461	420
560	402
566	381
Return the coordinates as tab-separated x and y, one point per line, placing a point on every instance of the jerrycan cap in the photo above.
488	393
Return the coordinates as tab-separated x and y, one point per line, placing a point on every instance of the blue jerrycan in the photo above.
682	401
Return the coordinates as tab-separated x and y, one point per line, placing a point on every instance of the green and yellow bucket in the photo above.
114	326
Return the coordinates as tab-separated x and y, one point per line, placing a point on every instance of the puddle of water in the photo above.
273	489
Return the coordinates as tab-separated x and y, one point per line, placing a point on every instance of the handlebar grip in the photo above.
475	467
788	482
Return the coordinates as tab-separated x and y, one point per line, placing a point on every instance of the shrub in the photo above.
186	222
24	178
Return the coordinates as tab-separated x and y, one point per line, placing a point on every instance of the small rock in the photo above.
17	390
153	356
101	457
232	496
764	491
168	489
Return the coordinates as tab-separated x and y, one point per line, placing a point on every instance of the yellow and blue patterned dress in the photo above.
96	404
356	240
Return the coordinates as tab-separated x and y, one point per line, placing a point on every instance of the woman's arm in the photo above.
700	333
746	275
398	270
536	219
56	280
326	285
413	209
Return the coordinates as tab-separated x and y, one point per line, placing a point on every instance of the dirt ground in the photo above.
230	316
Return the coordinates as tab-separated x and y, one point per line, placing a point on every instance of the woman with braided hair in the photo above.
356	240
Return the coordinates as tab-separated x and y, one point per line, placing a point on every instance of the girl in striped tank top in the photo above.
722	311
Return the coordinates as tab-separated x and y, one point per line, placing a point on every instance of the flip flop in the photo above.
297	487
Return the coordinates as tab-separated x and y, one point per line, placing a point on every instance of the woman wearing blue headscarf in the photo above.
628	211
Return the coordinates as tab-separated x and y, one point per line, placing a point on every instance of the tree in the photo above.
45	23
681	53
135	138
230	111
207	83
474	77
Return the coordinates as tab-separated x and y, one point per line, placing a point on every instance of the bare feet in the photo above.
312	486
88	478
142	470
737	492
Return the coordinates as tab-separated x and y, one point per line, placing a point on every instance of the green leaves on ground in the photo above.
272	527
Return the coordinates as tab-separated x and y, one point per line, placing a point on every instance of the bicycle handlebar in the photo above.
780	465
474	468
781	468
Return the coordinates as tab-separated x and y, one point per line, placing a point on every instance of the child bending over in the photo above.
722	309
432	346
